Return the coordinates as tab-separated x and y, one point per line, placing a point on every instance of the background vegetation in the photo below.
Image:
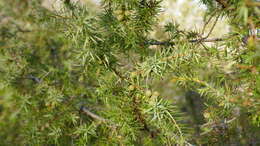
128	72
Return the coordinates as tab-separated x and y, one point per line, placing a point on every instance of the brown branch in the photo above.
207	40
92	115
212	28
207	22
117	73
250	3
213	125
223	3
141	118
107	122
191	41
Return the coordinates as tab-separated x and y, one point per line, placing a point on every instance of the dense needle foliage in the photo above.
78	77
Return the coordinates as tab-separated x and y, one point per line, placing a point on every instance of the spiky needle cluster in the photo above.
76	78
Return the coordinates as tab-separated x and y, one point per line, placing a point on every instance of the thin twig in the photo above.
35	79
109	123
223	3
212	28
117	73
213	125
207	22
207	40
250	3
191	41
92	115
201	43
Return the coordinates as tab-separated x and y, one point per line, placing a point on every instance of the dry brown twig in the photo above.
92	115
212	125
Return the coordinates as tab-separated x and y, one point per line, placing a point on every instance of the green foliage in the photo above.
71	77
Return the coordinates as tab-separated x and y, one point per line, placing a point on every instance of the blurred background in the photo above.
188	13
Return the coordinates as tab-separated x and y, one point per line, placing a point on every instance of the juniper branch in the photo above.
169	43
